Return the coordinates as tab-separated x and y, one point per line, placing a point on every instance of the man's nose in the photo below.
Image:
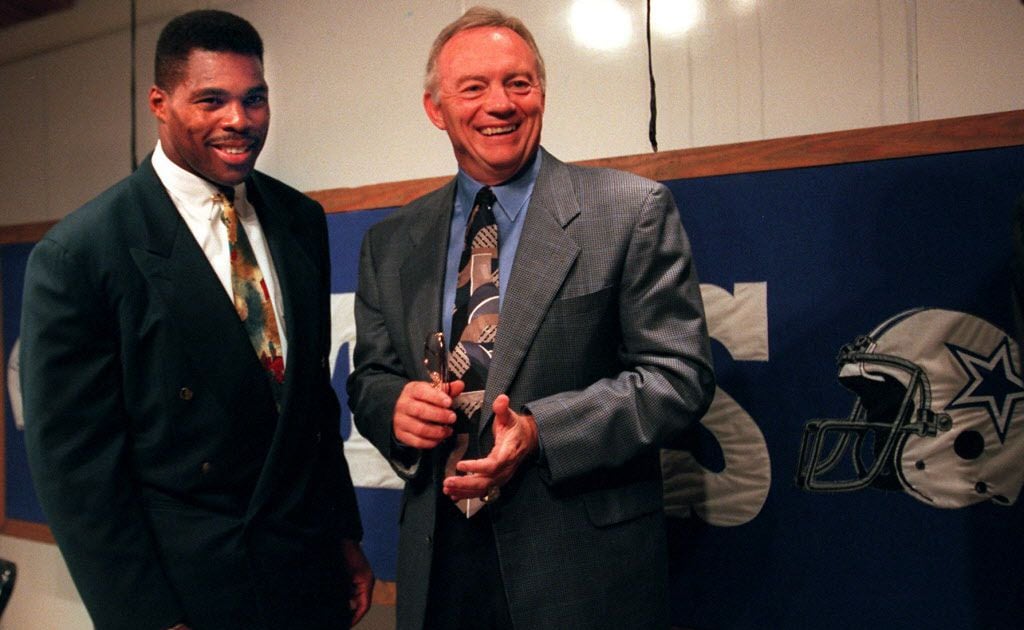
498	100
235	115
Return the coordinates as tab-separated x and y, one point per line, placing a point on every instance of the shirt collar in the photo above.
192	194
512	195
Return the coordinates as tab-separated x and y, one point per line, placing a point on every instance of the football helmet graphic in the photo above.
939	414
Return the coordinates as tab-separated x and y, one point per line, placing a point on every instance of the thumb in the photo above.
500	408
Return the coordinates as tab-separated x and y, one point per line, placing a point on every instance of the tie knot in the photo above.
227	209
485	197
227	193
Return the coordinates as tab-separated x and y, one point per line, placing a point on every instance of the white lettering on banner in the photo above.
367	466
736	494
738	320
14	385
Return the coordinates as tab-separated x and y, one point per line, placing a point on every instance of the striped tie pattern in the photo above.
474	327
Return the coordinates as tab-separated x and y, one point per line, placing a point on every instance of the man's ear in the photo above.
158	102
433	111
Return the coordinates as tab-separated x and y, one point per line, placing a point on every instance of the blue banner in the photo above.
862	463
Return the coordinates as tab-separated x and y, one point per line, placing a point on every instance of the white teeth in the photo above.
493	131
234	150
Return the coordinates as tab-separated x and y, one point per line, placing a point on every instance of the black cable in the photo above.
652	131
131	90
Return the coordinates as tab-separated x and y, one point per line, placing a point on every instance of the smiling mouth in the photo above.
497	131
236	146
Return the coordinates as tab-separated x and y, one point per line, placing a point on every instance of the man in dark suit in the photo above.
600	357
189	482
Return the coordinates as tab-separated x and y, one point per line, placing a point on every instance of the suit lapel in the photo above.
421	270
544	257
296	275
298	278
176	267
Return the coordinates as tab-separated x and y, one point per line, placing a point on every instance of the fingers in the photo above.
500	408
460	487
362	596
515	437
423	415
362	579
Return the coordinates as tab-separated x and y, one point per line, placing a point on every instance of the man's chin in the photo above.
231	175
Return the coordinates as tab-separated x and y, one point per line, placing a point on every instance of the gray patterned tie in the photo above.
474	327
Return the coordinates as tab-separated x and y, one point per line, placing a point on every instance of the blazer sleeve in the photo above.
76	437
667	381
376	383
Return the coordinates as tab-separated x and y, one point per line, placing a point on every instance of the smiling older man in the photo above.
577	348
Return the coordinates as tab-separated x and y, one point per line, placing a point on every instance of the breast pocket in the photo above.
572	308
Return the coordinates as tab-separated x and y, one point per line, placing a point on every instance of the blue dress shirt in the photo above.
510	212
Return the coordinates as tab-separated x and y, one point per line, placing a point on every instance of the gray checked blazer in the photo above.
603	339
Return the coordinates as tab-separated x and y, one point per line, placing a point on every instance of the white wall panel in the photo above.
87	130
822	66
726	90
898	60
346	91
970	56
23	169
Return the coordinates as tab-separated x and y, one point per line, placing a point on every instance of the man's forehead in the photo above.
209	68
487	47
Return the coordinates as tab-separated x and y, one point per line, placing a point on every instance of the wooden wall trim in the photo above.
28	530
968	133
948	135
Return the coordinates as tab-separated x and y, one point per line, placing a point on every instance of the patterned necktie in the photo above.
252	298
474	327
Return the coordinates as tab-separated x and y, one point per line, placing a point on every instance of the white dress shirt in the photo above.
193	197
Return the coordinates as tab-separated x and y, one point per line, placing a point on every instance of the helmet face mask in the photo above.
916	424
870	440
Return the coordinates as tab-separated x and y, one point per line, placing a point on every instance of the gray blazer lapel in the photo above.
543	259
421	271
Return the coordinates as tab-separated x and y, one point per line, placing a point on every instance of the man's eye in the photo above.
520	86
256	100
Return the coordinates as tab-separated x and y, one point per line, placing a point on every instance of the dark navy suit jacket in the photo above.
174	488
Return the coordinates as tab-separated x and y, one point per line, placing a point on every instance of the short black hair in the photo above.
208	29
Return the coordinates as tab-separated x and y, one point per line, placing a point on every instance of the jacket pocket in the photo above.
586	303
624	503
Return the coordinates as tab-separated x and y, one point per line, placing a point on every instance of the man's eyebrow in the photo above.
209	91
470	77
218	91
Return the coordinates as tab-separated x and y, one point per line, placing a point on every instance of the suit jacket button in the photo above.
318	437
205	468
185	393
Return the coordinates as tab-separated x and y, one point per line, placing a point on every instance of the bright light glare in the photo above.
675	17
600	24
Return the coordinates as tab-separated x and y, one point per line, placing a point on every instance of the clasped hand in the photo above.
423	419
